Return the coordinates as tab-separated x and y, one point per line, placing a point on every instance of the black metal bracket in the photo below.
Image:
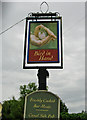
44	14
49	15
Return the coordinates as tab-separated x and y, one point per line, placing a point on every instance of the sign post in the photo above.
42	75
43	49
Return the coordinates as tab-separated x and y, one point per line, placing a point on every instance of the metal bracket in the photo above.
41	5
44	14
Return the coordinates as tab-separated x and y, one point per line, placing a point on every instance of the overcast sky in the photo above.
69	83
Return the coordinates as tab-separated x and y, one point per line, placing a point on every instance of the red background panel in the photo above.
43	55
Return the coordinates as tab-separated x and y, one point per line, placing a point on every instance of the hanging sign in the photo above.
42	105
43	43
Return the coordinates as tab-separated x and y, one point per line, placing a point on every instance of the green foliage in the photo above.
63	107
26	89
64	116
73	116
14	109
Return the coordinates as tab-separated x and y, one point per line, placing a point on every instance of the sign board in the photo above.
42	105
43	43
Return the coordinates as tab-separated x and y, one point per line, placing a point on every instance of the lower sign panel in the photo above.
42	105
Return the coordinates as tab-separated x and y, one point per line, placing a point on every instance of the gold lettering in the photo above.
51	116
40	58
36	100
48	53
36	53
36	106
41	110
49	101
43	115
44	106
33	116
40	100
45	58
39	53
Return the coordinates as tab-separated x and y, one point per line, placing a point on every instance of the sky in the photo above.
69	83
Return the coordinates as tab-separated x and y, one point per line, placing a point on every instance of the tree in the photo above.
26	89
63	107
14	109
